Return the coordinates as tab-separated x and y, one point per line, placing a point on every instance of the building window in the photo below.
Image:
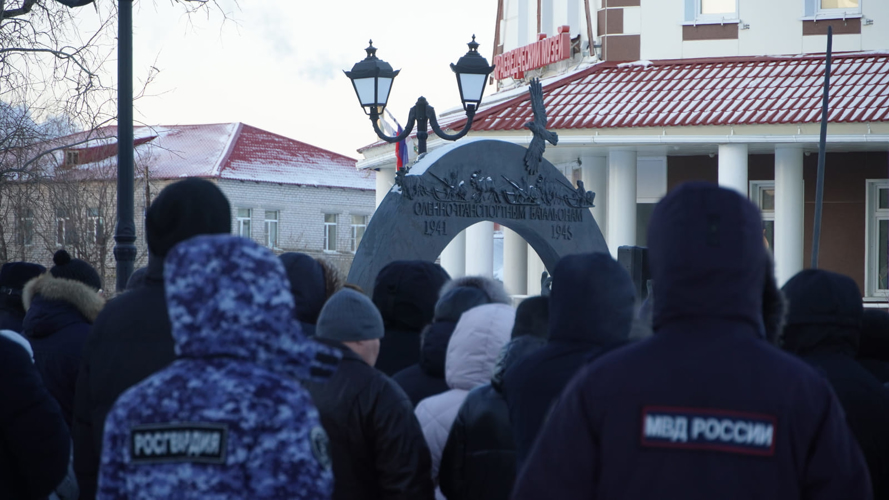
65	232
763	195
245	215
712	11
96	225
271	228
330	232
876	281
359	225
832	6
71	158
26	225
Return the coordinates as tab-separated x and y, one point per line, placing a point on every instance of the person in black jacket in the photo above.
479	461
376	444
13	276
131	339
312	282
405	292
34	440
427	378
873	350
823	328
61	305
591	310
706	407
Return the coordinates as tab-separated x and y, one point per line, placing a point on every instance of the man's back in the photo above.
377	447
706	408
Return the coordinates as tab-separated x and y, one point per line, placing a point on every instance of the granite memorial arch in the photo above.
471	181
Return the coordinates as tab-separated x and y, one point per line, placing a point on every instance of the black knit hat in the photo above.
74	269
183	210
14	275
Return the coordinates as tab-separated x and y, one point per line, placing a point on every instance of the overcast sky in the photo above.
277	64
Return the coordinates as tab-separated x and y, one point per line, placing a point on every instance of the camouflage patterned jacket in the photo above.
227	419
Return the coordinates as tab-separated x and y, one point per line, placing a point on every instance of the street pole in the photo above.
822	152
125	232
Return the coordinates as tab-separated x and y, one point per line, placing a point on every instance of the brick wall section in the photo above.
301	212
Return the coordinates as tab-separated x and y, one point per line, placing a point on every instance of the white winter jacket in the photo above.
472	353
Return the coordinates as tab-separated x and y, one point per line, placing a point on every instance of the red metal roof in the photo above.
689	92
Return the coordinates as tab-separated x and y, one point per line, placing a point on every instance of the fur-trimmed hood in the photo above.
492	288
83	297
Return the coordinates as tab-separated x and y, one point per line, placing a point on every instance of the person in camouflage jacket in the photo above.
228	418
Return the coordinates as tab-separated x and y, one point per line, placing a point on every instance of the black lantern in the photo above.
472	73
372	80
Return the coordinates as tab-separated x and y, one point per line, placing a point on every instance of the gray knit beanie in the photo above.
349	316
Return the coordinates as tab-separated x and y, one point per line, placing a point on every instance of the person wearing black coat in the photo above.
427	377
706	408
13	276
479	461
312	282
405	292
376	445
591	310
823	328
873	350
131	339
61	305
34	440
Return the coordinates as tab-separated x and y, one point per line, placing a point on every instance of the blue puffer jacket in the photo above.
228	418
706	407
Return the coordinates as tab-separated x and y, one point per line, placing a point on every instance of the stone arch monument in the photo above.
471	181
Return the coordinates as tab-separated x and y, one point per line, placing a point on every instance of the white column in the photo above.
733	167
385	181
594	174
789	212
480	249
535	268
515	263
621	200
453	257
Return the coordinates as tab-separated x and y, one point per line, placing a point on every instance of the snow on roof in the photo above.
240	152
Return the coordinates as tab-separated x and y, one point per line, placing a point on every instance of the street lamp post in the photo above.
125	232
372	79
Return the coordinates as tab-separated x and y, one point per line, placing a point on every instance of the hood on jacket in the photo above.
184	209
307	284
493	289
874	335
406	291
532	318
513	352
824	313
707	257
229	297
592	300
475	345
83	297
434	339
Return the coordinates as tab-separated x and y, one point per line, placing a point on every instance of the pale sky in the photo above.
277	64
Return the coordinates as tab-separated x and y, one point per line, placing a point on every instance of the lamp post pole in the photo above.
125	231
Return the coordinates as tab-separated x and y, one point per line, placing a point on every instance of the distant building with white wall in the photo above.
726	91
285	194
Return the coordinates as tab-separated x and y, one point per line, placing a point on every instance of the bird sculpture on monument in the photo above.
538	128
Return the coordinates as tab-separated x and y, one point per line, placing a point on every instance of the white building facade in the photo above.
726	91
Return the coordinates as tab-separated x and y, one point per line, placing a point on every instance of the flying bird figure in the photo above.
538	128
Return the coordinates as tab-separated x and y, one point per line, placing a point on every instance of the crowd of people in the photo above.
225	371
